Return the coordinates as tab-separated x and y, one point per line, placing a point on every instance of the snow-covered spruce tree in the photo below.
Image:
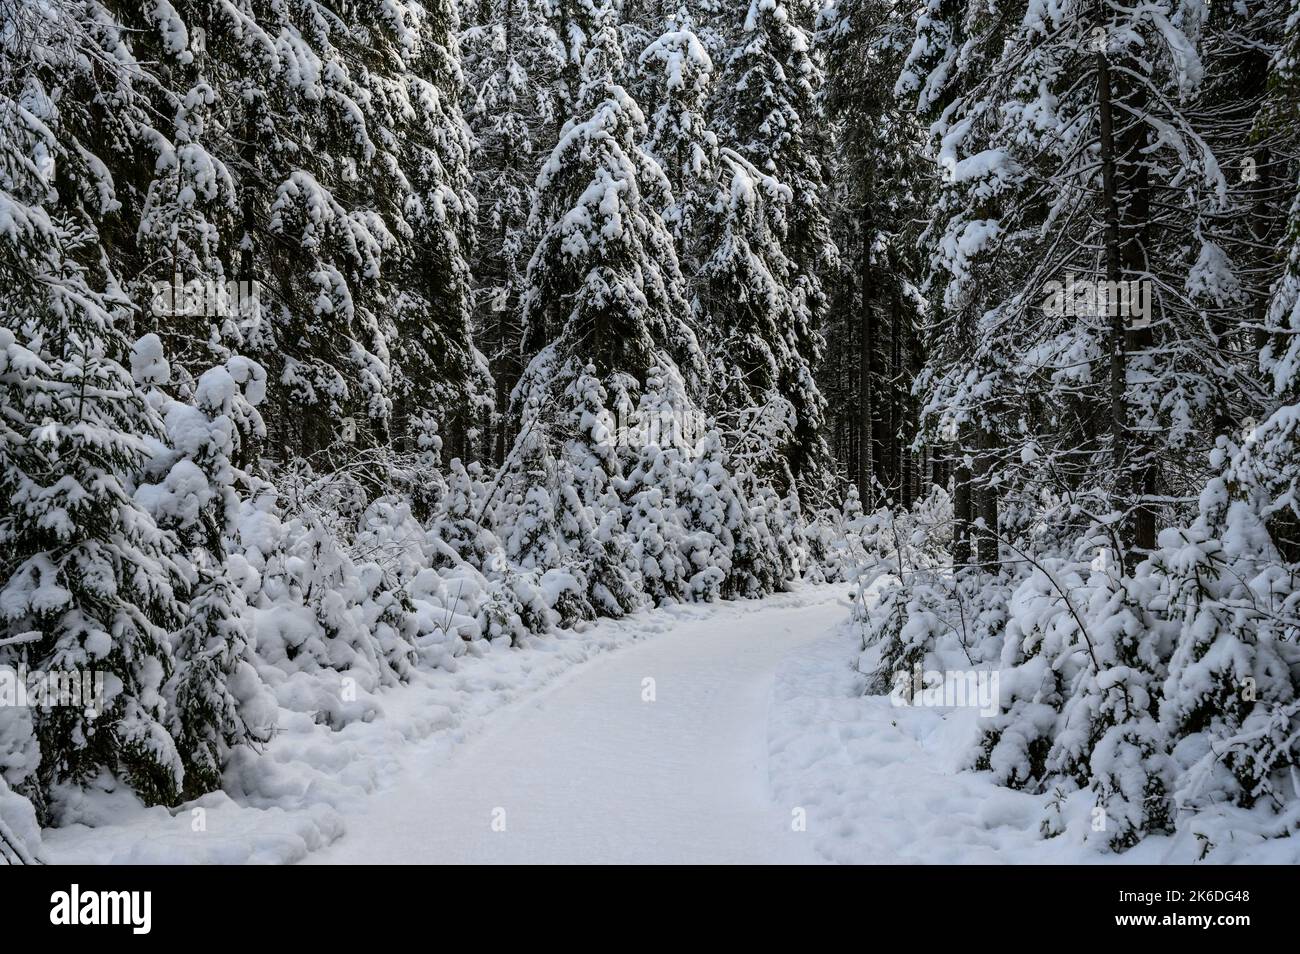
768	512
657	545
755	570
507	599
419	618
708	507
652	490
614	582
215	697
822	556
1058	134
312	151
440	379
591	461
1082	660
851	515
769	102
619	28
713	23
326	611
181	258
536	546
640	23
533	542
604	287
88	581
903	597
1108	738
591	450
1233	685
569	586
309	154
767	109
512	61
1230	697
515	606
458	531
840	553
743	305
480	580
680	137
604	280
790	513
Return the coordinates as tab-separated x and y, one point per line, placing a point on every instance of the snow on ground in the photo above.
758	747
589	771
887	784
585	770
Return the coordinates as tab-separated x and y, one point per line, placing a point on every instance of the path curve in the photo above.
588	771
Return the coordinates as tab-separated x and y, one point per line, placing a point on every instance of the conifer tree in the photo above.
604	286
769	101
88	582
513	61
217	701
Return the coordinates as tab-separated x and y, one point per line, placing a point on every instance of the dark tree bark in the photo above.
1126	194
962	504
867	372
986	502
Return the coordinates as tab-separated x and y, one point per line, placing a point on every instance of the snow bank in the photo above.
291	799
888	784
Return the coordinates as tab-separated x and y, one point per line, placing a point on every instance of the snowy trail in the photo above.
586	771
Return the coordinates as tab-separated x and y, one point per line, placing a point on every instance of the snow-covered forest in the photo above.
347	344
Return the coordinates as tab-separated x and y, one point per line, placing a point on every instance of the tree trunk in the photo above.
867	428
986	541
963	509
1126	194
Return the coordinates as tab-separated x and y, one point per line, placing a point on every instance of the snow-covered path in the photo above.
588	771
758	712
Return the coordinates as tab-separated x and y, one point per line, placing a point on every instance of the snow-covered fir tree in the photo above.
90	581
679	135
768	104
603	285
216	699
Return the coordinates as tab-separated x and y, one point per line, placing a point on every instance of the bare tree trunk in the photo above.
866	370
893	375
963	509
1126	193
1118	423
986	541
